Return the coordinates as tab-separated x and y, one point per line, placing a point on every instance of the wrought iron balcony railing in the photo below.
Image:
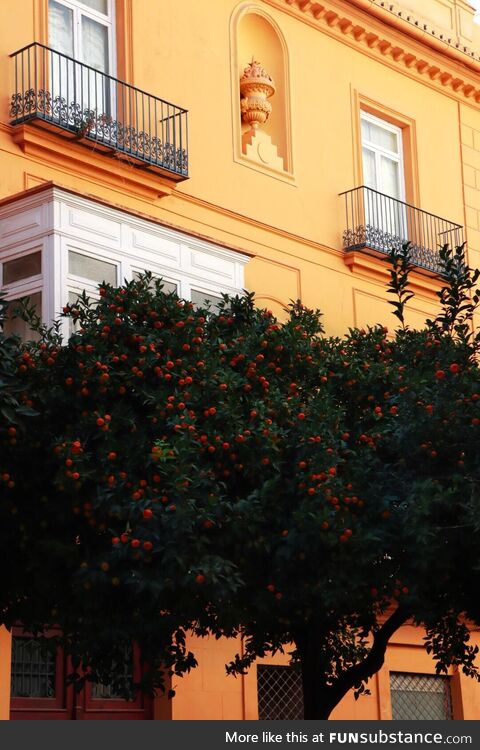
377	222
57	90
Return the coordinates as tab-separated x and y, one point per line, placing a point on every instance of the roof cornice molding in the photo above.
406	20
365	24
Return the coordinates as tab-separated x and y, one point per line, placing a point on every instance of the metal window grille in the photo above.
33	668
420	696
280	693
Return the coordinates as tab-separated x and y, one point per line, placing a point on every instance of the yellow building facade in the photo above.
275	145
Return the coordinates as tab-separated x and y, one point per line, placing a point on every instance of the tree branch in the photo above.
376	656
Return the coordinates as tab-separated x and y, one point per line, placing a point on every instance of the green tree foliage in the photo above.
181	469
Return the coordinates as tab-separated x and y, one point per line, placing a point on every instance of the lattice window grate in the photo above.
33	668
419	696
280	694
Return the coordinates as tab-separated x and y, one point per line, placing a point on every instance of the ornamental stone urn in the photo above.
256	86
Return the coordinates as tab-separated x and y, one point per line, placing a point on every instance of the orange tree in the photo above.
174	469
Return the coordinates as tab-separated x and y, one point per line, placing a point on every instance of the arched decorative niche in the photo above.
260	78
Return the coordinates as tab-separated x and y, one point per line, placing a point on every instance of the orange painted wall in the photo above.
208	693
290	223
5	650
293	227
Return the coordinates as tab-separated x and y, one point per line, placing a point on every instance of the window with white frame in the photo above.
205	299
85	273
383	176
22	280
167	285
186	288
88	270
382	156
83	30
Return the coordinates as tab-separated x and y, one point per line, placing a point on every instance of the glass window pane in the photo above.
389	178
378	136
60	28
95	44
365	130
168	286
201	299
369	171
100	5
73	297
17	326
91	268
22	268
33	668
73	324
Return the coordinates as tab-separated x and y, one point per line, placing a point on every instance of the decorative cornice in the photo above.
410	17
369	24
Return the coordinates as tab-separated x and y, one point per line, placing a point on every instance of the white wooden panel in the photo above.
240	275
210	266
52	279
91	226
164	250
10	253
21	225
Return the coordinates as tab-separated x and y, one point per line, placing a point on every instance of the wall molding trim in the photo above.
49	147
376	266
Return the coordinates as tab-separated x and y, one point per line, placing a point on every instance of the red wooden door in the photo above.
39	687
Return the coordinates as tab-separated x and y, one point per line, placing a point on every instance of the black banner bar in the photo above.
222	735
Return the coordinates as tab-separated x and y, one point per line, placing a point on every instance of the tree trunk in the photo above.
320	698
317	698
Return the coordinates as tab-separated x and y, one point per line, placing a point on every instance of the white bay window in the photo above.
54	245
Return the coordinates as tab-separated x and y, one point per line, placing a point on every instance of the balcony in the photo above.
94	108
377	223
